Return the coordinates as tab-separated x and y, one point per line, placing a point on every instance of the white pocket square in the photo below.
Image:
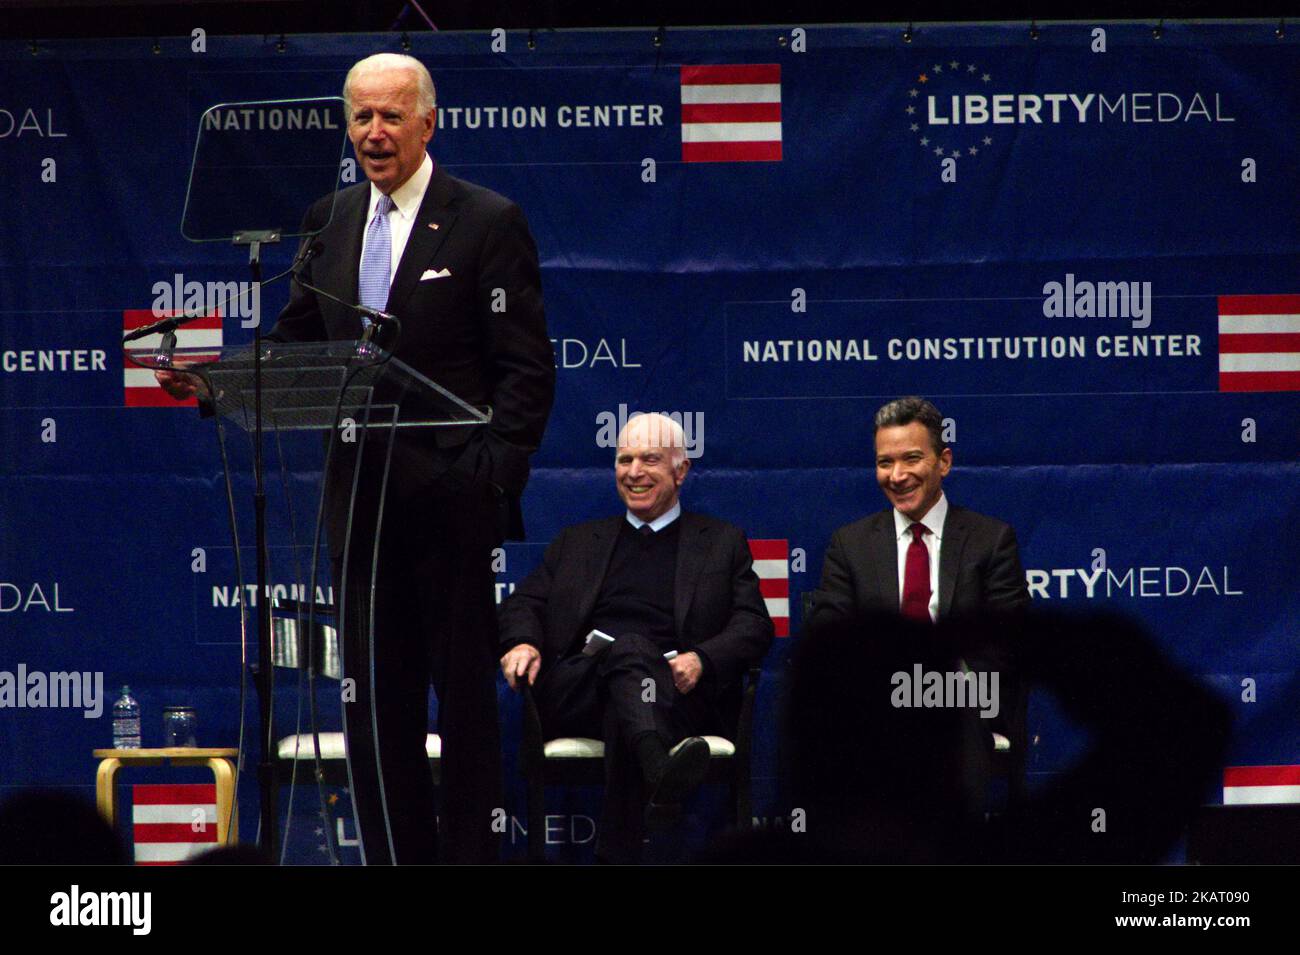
435	274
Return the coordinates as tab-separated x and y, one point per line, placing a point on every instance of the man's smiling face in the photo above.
909	470
387	129
644	471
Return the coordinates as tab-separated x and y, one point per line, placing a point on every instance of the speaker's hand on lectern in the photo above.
178	384
520	660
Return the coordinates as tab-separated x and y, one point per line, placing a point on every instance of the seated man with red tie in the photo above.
922	557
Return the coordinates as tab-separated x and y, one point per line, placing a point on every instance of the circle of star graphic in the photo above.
935	73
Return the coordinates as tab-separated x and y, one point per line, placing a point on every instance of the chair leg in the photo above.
223	772
106	789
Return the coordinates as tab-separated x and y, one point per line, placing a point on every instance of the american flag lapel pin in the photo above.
433	226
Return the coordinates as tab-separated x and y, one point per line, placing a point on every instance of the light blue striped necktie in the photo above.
377	260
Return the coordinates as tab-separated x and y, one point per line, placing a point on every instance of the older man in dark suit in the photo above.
456	264
678	594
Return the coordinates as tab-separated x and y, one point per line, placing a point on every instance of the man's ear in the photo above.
682	469
432	120
945	462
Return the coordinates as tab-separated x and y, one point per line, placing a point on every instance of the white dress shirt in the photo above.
660	522
401	218
933	520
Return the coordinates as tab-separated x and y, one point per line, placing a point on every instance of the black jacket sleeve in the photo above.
747	635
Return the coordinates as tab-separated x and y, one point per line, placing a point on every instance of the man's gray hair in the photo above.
656	431
904	411
426	96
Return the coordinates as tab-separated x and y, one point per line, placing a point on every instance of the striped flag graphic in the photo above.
1256	785
173	823
140	389
772	564
731	113
1259	342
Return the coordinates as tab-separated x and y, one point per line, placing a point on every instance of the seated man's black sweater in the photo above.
637	594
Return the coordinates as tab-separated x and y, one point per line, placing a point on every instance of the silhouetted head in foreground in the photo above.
51	827
231	855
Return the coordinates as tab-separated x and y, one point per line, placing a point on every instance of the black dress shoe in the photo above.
685	770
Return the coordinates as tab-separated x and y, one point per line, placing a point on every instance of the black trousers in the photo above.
434	618
616	696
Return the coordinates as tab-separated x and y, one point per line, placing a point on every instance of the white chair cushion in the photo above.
580	747
574	747
298	746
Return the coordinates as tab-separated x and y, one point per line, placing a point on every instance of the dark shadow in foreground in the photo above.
883	783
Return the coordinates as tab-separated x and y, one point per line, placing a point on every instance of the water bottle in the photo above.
126	721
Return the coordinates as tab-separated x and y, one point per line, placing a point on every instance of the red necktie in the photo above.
916	577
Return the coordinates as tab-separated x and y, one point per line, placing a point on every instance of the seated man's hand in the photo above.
520	660
177	383
687	670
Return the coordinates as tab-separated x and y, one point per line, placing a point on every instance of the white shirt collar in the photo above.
660	522
933	519
408	196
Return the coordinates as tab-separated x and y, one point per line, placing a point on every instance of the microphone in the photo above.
307	254
163	325
375	315
378	320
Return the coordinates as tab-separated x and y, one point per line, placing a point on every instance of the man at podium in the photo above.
457	265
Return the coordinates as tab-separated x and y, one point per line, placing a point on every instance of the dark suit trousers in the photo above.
434	621
605	697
